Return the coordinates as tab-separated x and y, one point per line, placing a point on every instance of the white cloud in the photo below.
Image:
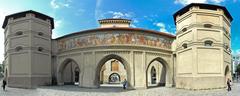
58	24
185	2
54	4
133	26
119	14
59	4
217	1
162	27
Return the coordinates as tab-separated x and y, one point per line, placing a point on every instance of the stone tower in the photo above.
28	49
203	46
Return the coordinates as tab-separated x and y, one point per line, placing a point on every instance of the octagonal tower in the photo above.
28	49
203	46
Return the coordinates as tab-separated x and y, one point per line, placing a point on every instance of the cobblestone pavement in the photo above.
76	91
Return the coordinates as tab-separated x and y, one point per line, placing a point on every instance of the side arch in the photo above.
105	59
227	73
61	68
165	67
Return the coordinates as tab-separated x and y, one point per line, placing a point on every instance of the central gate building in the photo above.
198	57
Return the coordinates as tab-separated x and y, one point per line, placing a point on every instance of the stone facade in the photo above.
198	57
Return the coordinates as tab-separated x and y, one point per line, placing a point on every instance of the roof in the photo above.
205	6
22	14
114	20
118	28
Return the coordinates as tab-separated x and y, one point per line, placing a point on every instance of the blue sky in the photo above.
75	15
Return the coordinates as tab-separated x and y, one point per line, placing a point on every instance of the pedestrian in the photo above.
4	83
229	85
125	84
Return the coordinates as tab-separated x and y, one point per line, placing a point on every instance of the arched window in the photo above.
153	75
18	48
208	43
40	49
184	45
18	33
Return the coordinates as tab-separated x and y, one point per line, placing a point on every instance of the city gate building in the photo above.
198	57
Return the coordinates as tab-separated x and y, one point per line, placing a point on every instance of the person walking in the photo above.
229	85
125	84
4	83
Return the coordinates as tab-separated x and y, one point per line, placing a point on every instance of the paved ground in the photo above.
76	91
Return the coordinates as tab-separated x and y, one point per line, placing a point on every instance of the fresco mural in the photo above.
103	39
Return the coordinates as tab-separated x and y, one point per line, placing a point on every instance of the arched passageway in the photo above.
227	74
68	73
156	73
111	71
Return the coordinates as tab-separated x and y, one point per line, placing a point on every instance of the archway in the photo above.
156	73
68	73
112	68
227	74
115	78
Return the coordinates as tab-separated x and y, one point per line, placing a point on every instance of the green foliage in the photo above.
238	69
1	68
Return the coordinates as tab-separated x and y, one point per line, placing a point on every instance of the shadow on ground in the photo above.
74	88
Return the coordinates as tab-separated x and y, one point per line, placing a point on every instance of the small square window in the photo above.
184	45
18	48
40	49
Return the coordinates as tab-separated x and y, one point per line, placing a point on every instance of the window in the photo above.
18	33
208	43
184	29
18	48
40	33
207	25
40	49
184	45
226	46
114	65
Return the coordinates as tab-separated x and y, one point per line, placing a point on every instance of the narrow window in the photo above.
18	33
208	43
207	25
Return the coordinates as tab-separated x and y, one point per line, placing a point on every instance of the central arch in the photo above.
157	73
68	72
105	59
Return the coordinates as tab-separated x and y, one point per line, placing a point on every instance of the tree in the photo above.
238	69
1	68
